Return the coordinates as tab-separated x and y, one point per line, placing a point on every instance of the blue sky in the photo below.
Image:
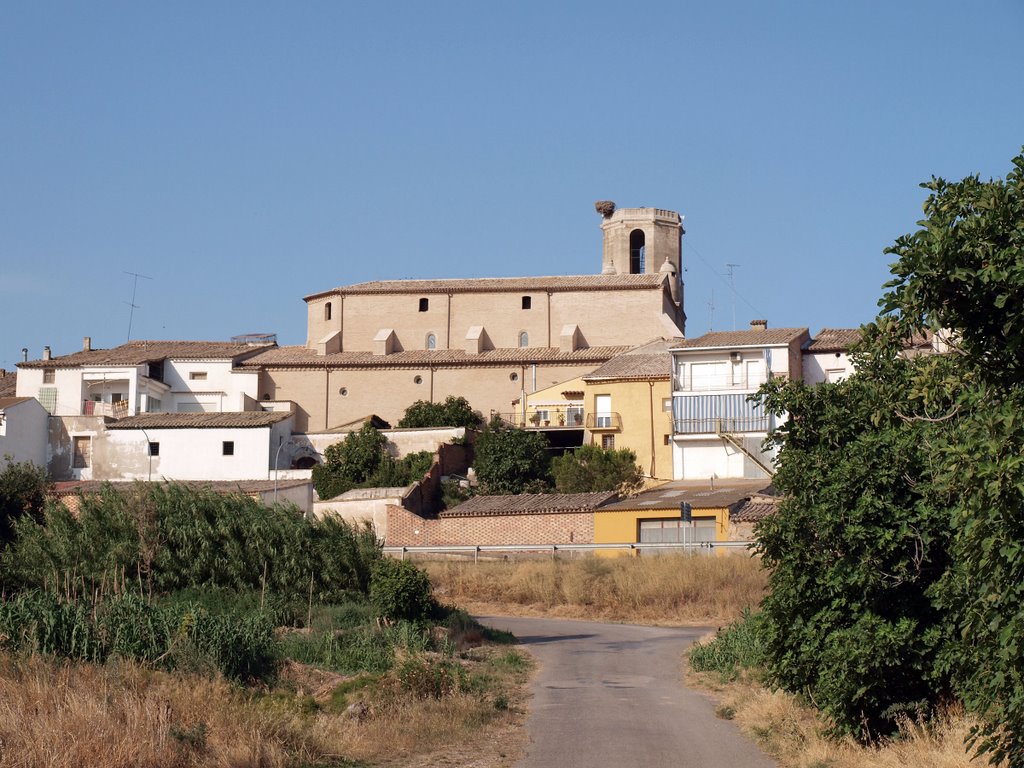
244	155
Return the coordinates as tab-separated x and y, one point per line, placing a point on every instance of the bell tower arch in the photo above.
642	241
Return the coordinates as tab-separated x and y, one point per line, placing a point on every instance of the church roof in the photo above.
301	357
502	284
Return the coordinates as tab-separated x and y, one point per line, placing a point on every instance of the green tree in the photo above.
963	270
453	412
23	487
351	462
592	468
510	460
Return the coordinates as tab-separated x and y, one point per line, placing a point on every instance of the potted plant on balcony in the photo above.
535	419
561	419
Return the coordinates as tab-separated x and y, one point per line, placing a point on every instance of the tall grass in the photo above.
665	589
167	538
735	648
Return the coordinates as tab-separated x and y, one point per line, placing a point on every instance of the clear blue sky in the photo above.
244	155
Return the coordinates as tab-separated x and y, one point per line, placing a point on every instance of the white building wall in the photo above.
827	366
23	432
220	390
186	454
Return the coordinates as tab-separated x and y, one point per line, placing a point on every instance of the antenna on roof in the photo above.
132	304
711	311
732	288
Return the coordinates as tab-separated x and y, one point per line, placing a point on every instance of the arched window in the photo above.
636	252
431	341
327	311
524	339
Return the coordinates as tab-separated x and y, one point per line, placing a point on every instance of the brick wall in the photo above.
480	530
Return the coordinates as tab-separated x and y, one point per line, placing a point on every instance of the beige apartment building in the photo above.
379	346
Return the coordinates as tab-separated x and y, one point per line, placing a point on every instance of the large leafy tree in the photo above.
899	554
23	487
453	412
511	460
592	468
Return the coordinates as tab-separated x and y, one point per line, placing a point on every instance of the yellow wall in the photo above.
623	526
634	402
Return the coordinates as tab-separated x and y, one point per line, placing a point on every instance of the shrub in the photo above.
400	590
453	412
592	468
510	460
737	646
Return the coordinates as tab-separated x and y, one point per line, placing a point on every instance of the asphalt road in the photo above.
612	695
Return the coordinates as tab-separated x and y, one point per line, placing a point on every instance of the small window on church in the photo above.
524	339
431	341
327	311
527	301
636	251
424	303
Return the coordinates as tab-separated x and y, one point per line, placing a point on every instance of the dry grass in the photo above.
795	736
669	589
68	715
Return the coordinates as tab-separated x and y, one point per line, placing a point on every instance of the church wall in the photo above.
388	391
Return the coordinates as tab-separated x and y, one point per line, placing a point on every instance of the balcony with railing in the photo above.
717	383
604	422
718	426
570	417
116	410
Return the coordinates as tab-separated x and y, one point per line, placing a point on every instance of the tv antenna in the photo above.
732	289
711	311
132	304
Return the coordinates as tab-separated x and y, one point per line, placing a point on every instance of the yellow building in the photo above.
655	516
628	404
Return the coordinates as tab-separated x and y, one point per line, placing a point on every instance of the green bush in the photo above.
425	677
592	468
511	460
453	412
350	652
400	590
737	646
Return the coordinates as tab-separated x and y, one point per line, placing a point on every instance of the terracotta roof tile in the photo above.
834	340
748	337
7	402
530	504
649	361
139	352
754	510
497	284
8	384
244	419
284	357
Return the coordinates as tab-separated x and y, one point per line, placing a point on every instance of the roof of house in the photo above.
85	487
755	510
700	495
531	504
287	357
502	284
244	419
745	338
7	402
834	340
8	383
646	362
139	352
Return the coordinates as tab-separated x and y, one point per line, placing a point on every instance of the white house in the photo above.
827	356
144	377
717	431
23	423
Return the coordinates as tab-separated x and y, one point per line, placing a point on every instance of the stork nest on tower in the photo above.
605	207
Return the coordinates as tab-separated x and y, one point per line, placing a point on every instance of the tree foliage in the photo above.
453	412
592	468
511	460
898	556
23	487
362	460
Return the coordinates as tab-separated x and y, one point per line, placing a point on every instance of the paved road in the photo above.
611	695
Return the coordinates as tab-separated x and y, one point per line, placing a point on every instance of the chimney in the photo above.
759	325
46	353
3	372
87	343
24	354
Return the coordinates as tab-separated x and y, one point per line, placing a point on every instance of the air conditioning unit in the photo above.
735	356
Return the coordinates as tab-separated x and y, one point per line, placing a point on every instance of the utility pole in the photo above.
132	304
732	289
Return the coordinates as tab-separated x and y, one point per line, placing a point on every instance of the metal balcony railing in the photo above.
546	418
117	410
598	422
713	426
